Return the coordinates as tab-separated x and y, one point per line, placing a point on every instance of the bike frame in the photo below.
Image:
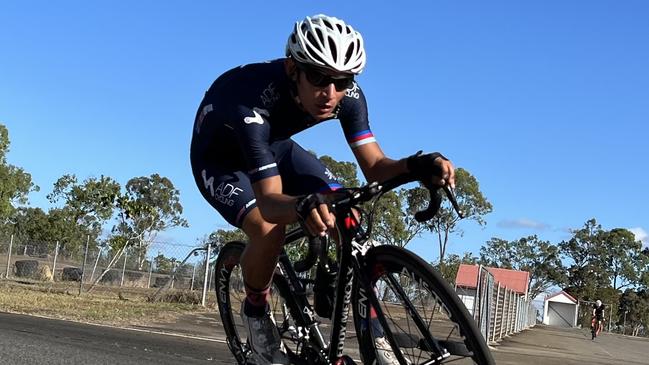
353	246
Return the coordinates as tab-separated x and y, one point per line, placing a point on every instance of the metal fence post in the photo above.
207	271
56	255
510	307
148	285
477	301
493	338
94	267
123	268
11	243
191	286
83	267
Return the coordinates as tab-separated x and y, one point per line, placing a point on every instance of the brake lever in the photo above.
450	194
436	202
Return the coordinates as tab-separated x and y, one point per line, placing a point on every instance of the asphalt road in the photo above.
35	340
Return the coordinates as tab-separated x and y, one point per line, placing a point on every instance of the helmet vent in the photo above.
349	53
318	32
332	47
314	54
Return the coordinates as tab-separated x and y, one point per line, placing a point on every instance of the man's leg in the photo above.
260	256
258	264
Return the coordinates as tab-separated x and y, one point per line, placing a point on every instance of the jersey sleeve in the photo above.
354	118
253	131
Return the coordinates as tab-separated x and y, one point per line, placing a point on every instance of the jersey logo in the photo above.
257	117
353	92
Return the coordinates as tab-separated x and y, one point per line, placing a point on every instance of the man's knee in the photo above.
256	228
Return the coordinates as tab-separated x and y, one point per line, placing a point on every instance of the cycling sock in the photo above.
375	325
256	303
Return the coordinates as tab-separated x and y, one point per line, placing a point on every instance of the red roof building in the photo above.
518	281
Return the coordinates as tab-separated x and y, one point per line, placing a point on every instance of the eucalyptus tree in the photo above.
15	183
149	205
471	201
86	206
625	260
538	257
585	254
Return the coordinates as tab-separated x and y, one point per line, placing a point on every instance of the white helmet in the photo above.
325	41
598	302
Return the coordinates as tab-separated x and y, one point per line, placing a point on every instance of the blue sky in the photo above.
545	103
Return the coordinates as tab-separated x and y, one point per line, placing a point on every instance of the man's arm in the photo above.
274	206
378	167
279	208
375	165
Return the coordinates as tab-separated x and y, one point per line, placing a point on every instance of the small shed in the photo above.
561	310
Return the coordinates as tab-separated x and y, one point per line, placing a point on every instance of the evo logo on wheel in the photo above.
223	285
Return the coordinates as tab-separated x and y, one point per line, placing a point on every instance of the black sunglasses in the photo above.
319	79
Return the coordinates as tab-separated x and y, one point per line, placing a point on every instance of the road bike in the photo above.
396	298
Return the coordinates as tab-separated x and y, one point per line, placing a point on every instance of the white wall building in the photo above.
561	310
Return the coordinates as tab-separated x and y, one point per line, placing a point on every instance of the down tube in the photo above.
343	297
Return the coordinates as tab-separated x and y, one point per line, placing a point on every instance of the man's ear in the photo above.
290	68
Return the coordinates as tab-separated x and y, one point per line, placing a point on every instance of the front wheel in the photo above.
419	308
230	294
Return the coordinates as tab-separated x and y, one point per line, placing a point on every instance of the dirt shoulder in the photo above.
110	306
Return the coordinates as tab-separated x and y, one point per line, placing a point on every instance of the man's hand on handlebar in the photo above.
432	168
313	213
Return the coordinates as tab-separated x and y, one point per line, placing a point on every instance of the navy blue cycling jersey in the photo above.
252	106
242	134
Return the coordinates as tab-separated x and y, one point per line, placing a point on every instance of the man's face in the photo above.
320	91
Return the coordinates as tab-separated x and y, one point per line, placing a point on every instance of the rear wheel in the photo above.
417	304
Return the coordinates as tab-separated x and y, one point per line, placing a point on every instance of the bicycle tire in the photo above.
448	320
229	289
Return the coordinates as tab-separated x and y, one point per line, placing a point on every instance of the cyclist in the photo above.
249	169
598	318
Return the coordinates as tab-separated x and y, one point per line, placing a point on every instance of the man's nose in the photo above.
330	90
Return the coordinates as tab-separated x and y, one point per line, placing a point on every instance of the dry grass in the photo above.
117	307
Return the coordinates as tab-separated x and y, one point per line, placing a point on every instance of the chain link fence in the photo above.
158	267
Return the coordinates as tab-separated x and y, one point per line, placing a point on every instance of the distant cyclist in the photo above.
250	170
598	318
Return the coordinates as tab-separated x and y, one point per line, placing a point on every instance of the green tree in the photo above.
540	258
220	237
586	255
163	264
344	172
624	258
472	202
31	224
450	266
633	312
150	205
15	183
87	205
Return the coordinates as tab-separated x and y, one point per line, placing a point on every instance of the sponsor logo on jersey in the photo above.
269	96
353	92
257	118
224	193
